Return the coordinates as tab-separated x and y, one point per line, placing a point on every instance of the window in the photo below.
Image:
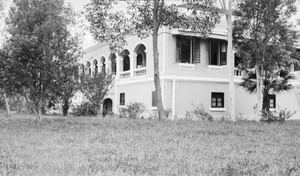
217	100
154	101
113	64
122	99
187	49
126	63
217	52
272	101
223	55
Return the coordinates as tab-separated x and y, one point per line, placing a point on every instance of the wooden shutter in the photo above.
178	49
223	51
208	51
196	51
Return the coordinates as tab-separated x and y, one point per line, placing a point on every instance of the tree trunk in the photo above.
35	107
157	18
266	102
65	107
259	87
160	108
230	62
6	105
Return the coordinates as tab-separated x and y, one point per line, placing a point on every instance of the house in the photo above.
193	70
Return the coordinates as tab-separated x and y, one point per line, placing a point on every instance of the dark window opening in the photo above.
113	65
217	52
139	59
217	100
126	63
187	49
122	98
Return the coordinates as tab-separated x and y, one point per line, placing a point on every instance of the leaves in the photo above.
108	24
40	48
262	32
96	87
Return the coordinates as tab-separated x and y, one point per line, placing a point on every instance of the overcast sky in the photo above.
79	5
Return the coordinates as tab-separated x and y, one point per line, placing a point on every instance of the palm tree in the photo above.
274	82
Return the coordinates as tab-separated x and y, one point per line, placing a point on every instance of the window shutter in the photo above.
178	49
223	48
196	51
208	51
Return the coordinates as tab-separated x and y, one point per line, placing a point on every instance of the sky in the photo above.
78	5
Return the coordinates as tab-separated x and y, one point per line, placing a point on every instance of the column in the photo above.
119	59
132	57
173	97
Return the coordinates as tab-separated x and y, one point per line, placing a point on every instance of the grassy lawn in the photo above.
113	146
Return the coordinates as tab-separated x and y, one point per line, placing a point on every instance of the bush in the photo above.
85	109
133	110
198	113
276	116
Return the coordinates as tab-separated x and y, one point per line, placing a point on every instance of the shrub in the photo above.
132	110
276	116
85	109
198	113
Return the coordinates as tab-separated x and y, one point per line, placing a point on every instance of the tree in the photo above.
264	38
276	81
228	13
40	44
144	18
65	86
95	88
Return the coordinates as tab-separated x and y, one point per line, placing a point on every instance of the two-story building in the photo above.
194	71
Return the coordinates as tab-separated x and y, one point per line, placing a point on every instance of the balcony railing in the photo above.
140	71
125	74
237	72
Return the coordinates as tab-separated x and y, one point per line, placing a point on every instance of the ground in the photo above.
113	146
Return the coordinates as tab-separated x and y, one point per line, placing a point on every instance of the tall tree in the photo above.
40	44
144	18
227	10
265	38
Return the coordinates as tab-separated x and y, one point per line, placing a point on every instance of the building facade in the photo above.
193	71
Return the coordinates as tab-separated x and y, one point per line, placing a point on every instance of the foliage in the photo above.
65	86
198	113
276	81
114	146
85	109
262	31
265	38
37	49
108	24
144	18
277	116
133	110
95	87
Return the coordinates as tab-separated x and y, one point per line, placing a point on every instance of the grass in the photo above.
113	146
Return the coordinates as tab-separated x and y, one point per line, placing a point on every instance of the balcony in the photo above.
140	71
125	74
237	72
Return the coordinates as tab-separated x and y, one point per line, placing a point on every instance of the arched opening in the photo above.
88	67
95	64
107	106
113	63
140	52
81	69
103	66
126	60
